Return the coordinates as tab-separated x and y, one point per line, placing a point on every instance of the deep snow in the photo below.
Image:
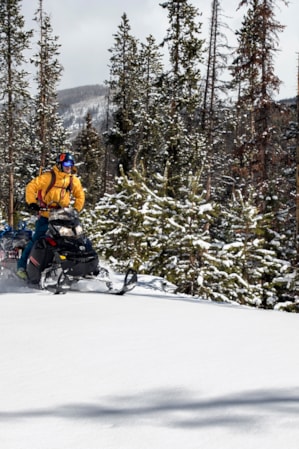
149	370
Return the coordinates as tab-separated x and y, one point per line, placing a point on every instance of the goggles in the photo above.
67	164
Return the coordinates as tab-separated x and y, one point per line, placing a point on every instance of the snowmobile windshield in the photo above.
67	214
65	222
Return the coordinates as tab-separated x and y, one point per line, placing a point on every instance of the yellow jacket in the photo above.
59	195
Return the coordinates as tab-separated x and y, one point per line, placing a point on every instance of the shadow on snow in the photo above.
174	408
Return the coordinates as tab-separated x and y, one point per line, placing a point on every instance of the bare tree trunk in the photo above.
207	119
297	171
42	128
10	132
208	98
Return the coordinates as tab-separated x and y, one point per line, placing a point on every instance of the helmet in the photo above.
65	159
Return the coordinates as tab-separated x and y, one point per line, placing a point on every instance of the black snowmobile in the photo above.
65	256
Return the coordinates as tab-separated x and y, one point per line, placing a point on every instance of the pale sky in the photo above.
86	27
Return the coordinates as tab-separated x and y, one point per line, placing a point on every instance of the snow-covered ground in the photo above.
148	370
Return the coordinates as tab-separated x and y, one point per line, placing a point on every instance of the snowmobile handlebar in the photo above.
68	210
34	207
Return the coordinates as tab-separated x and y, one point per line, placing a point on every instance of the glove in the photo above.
33	207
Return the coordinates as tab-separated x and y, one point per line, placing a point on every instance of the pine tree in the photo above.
261	157
181	88
253	73
124	94
50	136
149	111
142	226
243	264
14	89
183	234
90	154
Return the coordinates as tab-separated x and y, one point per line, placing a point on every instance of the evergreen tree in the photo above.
261	156
149	111
124	94
243	264
253	73
142	226
90	154
15	99
49	136
181	88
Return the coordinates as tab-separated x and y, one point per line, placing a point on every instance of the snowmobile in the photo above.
12	243
65	256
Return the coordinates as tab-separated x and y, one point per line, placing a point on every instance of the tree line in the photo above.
191	176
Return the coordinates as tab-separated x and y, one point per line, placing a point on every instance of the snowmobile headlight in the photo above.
65	232
78	230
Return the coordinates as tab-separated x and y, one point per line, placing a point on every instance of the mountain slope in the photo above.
75	103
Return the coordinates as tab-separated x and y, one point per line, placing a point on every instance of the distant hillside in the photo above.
288	101
75	103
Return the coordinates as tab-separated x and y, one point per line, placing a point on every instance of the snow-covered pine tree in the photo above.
124	94
90	157
182	232
242	264
15	100
149	111
181	90
262	159
50	135
152	231
116	223
253	73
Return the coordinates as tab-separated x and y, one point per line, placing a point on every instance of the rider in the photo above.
51	189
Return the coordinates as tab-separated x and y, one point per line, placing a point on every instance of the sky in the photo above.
148	370
86	30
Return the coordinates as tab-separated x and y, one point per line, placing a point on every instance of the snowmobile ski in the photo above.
64	284
129	283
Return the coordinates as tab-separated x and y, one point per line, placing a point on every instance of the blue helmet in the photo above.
65	160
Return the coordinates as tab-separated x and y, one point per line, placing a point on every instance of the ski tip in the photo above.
130	277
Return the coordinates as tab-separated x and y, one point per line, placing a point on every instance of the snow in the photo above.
148	370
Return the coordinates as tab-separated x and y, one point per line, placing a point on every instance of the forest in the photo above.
192	175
